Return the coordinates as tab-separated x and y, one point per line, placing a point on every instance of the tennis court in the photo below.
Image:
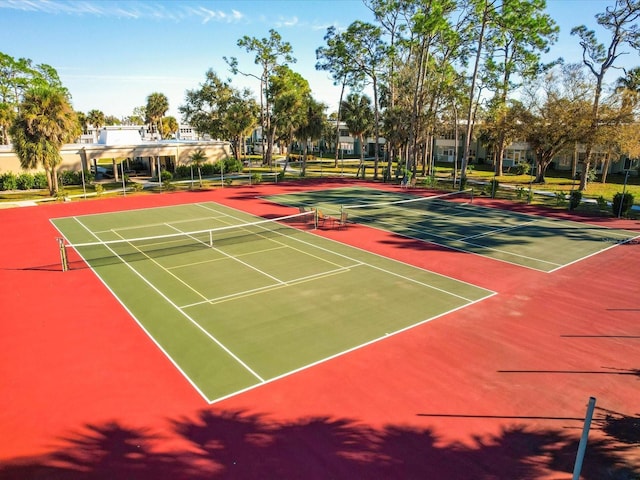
236	301
455	221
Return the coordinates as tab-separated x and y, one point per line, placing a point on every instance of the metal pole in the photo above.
624	189
63	254
583	440
124	183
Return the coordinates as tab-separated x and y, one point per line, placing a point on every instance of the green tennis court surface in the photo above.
455	222
236	301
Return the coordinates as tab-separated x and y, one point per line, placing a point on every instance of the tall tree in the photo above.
289	94
520	34
16	77
334	58
367	51
480	14
555	115
44	123
7	114
359	119
621	23
269	54
220	110
311	127
157	106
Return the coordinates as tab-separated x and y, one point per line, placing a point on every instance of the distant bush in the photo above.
166	176
561	198
183	171
232	165
521	168
25	181
8	181
69	177
207	169
622	204
40	180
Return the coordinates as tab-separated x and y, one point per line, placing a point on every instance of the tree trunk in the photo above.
474	77
338	123
605	167
361	138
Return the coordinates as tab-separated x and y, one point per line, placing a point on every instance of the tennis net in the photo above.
442	204
128	250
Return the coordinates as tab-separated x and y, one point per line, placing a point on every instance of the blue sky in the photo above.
111	54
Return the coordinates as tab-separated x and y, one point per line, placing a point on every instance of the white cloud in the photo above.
173	11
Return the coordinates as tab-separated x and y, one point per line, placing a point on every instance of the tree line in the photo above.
469	69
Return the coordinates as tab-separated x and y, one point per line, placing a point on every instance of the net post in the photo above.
315	218
471	190
210	238
583	439
63	254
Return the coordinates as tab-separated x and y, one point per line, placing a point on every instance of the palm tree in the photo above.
358	115
6	118
198	158
96	118
44	123
629	86
169	126
157	106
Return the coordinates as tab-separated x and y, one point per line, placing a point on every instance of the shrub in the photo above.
166	176
25	181
68	177
232	165
521	192
522	168
561	198
99	189
602	203
183	171
40	180
575	197
207	170
622	203
8	181
256	178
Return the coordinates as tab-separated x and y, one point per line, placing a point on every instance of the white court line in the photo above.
179	310
349	350
333	253
497	230
595	253
158	224
266	288
236	259
218	259
382	269
159	265
433	234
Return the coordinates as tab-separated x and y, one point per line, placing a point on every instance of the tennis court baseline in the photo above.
235	301
455	221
